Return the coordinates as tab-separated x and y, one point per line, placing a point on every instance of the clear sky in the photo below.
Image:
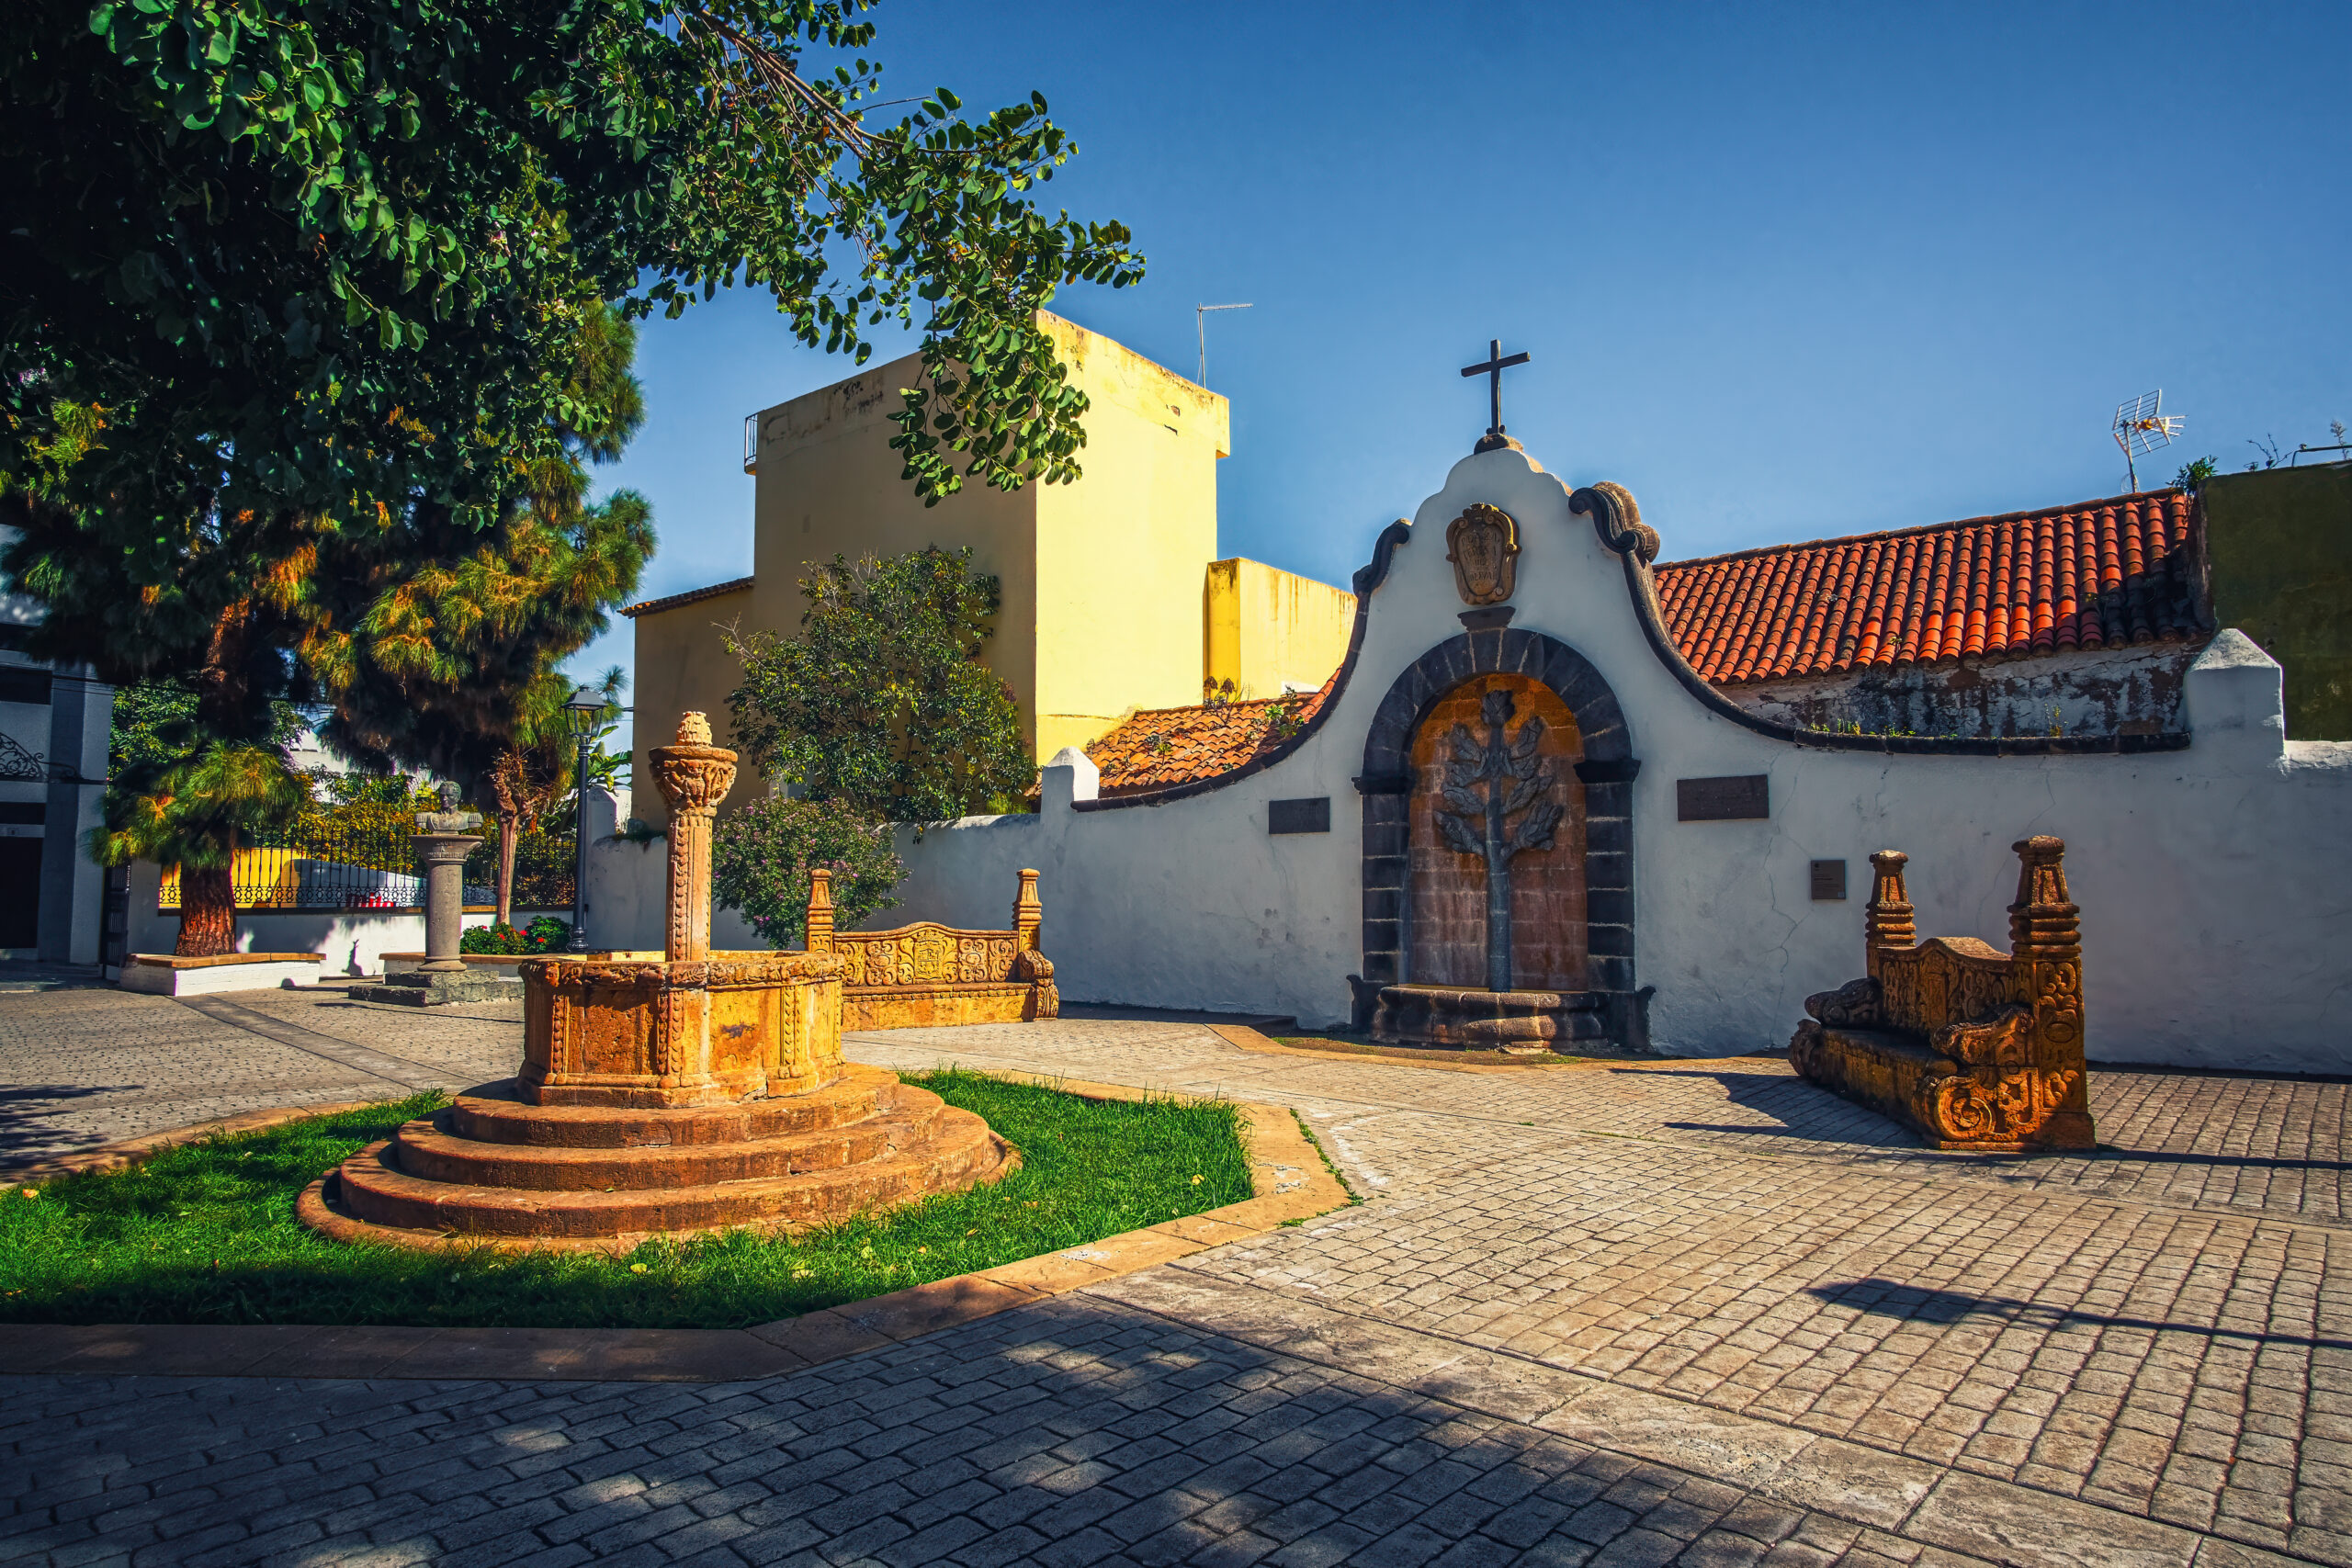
1788	272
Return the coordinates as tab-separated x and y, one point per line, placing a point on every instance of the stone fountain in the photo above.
678	1092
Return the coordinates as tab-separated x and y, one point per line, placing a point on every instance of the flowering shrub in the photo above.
546	934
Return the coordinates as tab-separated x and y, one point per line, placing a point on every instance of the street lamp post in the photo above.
582	714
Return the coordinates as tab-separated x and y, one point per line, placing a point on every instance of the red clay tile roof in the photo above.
2105	573
653	606
1154	748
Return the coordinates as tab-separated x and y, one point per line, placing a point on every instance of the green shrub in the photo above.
762	855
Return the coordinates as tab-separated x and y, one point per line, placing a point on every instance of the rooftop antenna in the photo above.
2141	427
1200	329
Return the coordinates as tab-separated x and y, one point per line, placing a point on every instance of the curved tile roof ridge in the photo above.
2111	572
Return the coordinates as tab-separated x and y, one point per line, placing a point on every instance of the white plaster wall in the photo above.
2215	926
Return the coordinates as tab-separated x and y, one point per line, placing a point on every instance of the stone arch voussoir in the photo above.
1607	774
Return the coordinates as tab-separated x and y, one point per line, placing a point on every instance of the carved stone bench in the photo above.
929	975
1976	1049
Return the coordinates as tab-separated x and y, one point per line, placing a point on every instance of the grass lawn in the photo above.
205	1233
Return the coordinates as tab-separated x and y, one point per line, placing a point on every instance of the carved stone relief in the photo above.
1483	544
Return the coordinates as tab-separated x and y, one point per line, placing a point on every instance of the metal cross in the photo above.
1493	370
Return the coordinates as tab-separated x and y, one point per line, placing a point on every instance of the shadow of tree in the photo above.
27	1137
1923	1304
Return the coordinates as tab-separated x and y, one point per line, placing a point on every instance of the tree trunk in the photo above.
510	833
208	912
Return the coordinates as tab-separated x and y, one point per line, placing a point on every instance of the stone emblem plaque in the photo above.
1483	544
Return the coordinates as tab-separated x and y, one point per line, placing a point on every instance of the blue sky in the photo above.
1787	272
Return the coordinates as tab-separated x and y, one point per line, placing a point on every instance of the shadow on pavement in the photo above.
1921	1303
1799	1109
28	1137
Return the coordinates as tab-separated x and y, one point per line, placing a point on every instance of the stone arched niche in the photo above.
1445	902
1609	1008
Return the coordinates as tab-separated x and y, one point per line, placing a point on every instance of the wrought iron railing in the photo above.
330	863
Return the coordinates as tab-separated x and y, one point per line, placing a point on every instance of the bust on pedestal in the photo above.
443	840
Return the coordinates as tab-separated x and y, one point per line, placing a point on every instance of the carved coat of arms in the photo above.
1483	544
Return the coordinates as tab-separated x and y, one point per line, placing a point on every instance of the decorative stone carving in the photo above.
1518	783
685	1091
1977	1049
1483	544
693	776
927	975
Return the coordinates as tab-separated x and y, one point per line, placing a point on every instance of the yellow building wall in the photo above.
1120	553
682	665
1267	630
828	484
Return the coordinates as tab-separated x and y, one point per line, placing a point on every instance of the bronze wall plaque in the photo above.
1740	797
1299	815
1828	879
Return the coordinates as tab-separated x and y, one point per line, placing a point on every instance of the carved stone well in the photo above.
686	1091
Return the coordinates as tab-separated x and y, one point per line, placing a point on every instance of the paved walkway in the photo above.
1694	1312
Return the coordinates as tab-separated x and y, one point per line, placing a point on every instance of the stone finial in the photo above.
694	729
1887	923
818	937
2044	924
1028	913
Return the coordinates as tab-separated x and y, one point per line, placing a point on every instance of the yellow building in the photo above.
1113	597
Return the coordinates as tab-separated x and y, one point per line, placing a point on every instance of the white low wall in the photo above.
2217	931
2216	927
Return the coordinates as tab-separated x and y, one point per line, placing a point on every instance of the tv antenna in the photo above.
2141	427
1200	329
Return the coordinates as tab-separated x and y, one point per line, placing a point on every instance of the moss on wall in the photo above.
2278	553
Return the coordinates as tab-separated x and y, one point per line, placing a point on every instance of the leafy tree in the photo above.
176	793
190	812
761	857
344	244
2195	472
339	312
532	779
882	703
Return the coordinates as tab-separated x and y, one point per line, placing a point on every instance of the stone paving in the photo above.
86	1067
1695	1312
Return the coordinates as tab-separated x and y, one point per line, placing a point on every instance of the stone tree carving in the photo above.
1517	783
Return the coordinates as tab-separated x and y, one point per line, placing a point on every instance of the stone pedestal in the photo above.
1526	1024
692	1092
443	841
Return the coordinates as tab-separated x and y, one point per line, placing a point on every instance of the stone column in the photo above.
693	776
443	840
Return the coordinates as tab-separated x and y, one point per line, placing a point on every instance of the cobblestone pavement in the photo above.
83	1068
1693	1312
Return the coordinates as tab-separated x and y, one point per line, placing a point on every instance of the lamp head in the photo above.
584	713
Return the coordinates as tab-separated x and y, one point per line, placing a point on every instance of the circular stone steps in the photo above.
804	1159
496	1114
